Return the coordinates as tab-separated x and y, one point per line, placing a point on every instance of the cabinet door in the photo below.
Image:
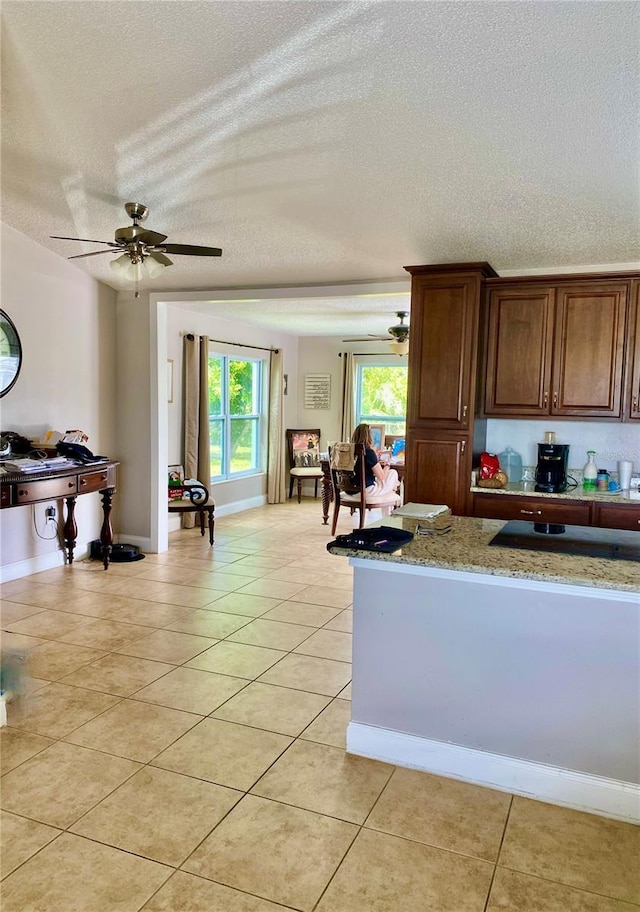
438	471
588	351
519	350
632	411
532	509
617	516
442	357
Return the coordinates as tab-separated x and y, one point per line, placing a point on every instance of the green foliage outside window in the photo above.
382	396
234	415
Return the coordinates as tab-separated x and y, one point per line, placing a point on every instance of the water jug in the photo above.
511	463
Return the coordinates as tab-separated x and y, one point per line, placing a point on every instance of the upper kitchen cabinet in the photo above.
632	403
519	351
445	325
556	348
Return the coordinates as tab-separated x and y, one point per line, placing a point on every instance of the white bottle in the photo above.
590	472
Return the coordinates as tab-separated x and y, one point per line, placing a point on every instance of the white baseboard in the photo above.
555	785
239	505
144	544
174	522
48	561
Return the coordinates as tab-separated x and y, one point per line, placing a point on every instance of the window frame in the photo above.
225	419
360	363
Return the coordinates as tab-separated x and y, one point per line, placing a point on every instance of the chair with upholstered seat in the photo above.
195	499
304	459
349	490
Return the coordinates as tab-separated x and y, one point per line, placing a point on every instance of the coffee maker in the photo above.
551	471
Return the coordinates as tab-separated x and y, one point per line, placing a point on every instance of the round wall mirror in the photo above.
10	354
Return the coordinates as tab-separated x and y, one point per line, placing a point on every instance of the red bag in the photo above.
489	465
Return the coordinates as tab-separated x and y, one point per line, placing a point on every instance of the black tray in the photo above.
383	539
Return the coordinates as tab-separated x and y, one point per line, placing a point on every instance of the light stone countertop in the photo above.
466	548
622	497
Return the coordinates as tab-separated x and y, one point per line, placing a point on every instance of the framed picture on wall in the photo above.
377	435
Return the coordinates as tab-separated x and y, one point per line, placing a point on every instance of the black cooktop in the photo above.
581	540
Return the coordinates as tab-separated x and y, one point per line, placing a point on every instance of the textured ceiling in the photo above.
325	142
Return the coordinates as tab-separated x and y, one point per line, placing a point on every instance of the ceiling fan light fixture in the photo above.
121	265
153	267
399	348
134	270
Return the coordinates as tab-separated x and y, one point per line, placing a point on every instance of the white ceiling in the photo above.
325	142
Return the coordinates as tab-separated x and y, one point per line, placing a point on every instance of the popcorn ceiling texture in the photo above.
325	142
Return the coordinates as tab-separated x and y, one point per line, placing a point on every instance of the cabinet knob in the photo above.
71	484
545	401
531	512
83	482
555	399
463	447
635	404
465	409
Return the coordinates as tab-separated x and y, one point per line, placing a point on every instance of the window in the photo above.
381	395
235	416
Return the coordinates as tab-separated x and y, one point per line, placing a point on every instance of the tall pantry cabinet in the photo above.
445	434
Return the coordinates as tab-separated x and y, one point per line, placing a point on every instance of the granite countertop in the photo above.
571	494
466	548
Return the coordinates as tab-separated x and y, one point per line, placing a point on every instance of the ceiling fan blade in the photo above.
370	339
151	238
79	256
85	240
190	250
160	258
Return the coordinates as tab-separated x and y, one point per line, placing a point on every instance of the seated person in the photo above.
379	479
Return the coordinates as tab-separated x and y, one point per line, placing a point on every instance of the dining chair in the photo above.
304	459
349	490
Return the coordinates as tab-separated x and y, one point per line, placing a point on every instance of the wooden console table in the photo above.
66	484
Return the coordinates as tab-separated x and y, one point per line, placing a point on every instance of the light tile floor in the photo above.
182	749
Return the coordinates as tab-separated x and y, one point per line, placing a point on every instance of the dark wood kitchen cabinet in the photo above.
632	396
561	510
555	348
532	509
437	471
443	428
617	516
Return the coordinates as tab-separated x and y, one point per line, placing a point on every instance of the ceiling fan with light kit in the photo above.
142	252
398	337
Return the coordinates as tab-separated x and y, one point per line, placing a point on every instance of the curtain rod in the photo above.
191	337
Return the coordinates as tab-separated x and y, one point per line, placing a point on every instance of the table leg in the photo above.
70	530
327	497
106	532
210	511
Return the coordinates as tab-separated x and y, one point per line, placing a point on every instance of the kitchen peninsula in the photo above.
515	669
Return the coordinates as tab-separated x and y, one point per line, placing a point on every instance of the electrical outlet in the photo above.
50	514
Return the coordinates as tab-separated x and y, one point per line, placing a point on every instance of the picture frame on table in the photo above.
377	436
175	479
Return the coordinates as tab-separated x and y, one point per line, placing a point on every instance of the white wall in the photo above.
611	440
67	325
321	355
